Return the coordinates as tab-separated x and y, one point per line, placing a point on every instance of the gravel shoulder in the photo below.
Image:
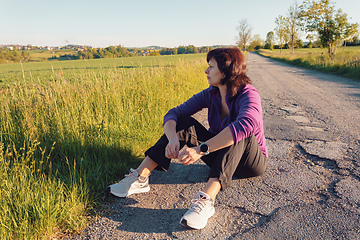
311	189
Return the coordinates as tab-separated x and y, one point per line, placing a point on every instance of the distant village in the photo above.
89	52
144	51
30	47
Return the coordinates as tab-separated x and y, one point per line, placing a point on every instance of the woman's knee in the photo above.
257	168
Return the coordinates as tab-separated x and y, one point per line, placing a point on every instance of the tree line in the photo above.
190	49
120	51
109	52
13	56
323	25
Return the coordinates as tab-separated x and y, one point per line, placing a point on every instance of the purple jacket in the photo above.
245	113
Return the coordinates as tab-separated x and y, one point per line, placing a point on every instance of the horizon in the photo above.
81	45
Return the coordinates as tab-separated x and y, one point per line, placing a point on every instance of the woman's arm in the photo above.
172	149
221	140
191	106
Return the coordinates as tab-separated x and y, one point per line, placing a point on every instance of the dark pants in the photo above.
243	159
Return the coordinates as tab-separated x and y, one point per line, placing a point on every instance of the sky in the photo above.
141	23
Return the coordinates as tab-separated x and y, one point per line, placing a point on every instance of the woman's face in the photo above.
213	73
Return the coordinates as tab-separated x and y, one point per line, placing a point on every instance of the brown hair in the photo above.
231	62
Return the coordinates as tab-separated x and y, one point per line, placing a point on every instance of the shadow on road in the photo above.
181	174
144	220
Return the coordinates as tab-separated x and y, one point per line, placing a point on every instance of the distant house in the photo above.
78	47
10	48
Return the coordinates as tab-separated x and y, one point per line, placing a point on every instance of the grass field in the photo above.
40	55
69	129
42	71
346	62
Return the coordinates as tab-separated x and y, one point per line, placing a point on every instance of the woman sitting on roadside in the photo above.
234	145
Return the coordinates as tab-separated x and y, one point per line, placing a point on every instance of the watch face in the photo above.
204	148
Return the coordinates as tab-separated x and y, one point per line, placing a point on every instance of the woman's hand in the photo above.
190	155
172	149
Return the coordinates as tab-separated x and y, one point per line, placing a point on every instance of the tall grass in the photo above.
68	136
345	63
34	204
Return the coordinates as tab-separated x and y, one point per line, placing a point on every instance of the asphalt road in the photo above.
311	189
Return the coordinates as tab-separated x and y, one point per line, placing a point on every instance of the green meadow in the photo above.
68	129
346	62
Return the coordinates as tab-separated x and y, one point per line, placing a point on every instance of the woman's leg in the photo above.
243	160
212	187
202	206
189	132
146	167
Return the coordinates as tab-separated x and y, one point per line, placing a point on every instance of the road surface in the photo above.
311	189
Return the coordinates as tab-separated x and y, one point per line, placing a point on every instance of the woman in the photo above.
234	145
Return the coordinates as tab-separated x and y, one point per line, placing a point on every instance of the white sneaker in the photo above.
132	183
202	208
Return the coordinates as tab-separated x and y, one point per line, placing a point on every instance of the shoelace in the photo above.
198	204
129	176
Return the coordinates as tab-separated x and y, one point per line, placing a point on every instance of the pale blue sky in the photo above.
140	23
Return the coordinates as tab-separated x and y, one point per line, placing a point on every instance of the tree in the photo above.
269	42
281	31
154	53
204	49
332	26
293	26
100	53
244	36
25	56
168	51
299	44
310	38
355	40
122	51
181	50
256	43
15	56
111	49
173	51
351	33
191	49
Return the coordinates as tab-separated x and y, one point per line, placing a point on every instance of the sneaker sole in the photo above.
185	223
122	195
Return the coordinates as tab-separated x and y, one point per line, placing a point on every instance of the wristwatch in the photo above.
204	148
